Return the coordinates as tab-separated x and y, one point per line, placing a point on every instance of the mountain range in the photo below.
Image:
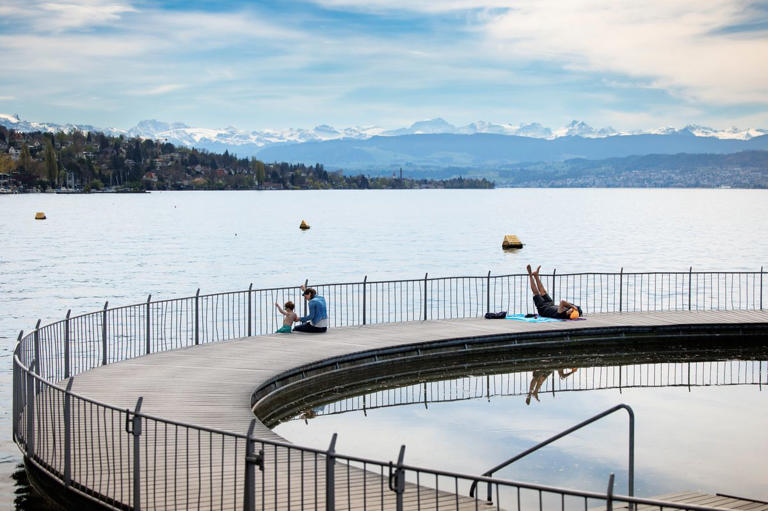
433	143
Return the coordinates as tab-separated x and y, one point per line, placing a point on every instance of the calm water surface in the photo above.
121	248
707	438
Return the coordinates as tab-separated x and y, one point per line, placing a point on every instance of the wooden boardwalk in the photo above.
211	386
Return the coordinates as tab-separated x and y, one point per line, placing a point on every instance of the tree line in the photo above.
93	160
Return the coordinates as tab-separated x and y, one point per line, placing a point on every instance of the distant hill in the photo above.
480	151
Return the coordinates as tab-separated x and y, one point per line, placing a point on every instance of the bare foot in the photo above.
537	270
529	269
528	400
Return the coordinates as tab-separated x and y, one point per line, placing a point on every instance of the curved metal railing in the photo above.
84	443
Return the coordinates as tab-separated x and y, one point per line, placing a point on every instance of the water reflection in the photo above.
549	380
26	498
699	424
540	376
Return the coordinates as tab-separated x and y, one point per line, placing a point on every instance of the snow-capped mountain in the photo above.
249	142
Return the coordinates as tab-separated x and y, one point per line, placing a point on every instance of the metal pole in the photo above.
136	432
330	482
149	322
16	392
761	288
104	335
621	289
249	492
37	345
609	493
397	480
197	317
68	434
306	285
66	345
365	282
425	296
488	292
250	307
554	273
631	470
30	440
690	274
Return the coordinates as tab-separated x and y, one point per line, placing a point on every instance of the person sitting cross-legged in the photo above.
317	320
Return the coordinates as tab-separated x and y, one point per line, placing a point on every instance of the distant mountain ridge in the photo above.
249	143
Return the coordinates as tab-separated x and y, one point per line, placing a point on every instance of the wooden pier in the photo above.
211	386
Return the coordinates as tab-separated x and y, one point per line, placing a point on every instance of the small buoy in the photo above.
511	241
39	215
304	225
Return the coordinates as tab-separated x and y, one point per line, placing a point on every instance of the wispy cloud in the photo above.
44	16
160	89
677	45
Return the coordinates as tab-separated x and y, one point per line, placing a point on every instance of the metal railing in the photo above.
126	459
630	456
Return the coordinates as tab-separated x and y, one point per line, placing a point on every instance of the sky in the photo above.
286	63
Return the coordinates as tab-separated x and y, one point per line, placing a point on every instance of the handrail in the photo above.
631	476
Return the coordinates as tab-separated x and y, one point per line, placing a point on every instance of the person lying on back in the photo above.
544	303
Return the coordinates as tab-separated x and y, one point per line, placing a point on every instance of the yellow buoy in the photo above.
304	225
511	241
39	215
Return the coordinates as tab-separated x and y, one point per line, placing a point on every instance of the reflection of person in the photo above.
539	377
544	303
317	319
290	317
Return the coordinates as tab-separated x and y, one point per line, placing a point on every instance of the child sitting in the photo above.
289	319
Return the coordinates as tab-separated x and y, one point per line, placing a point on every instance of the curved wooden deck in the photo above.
211	385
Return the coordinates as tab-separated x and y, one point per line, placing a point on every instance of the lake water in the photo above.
120	248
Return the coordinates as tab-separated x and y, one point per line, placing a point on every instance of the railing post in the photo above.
197	317
690	274
133	427
554	291
425	296
621	288
250	307
397	479
66	345
68	434
631	456
304	302
104	335
365	283
148	333
251	459
17	392
761	288
609	493
37	346
488	292
30	440
330	473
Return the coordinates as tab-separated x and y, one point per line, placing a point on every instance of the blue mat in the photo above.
539	319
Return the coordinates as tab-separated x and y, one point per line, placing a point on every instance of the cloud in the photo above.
424	6
7	98
679	46
160	89
45	16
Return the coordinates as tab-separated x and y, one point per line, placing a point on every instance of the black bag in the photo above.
496	315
